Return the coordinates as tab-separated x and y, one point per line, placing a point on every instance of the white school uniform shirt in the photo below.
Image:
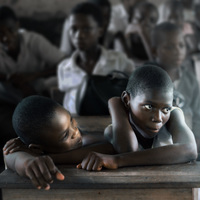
36	53
119	19
71	76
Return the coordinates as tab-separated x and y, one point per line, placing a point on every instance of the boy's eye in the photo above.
167	110
148	107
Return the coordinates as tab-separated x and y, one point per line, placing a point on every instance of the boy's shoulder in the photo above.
68	63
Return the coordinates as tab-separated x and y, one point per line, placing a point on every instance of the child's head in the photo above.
129	4
168	45
173	12
42	123
146	14
149	96
9	25
86	24
105	8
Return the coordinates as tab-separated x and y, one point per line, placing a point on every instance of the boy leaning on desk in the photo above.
146	130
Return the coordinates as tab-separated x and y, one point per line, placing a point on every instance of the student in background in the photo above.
187	6
174	13
89	58
169	51
120	19
121	16
66	44
47	134
146	129
26	60
138	32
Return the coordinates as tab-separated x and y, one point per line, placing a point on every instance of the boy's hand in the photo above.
95	161
14	145
41	171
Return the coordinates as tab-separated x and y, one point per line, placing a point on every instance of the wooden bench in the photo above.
149	182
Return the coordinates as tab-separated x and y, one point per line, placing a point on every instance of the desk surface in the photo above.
94	124
166	176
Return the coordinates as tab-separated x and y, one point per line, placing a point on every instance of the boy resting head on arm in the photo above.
47	132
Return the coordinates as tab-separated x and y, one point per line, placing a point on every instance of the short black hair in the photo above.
91	9
148	77
146	4
31	116
101	3
6	13
162	29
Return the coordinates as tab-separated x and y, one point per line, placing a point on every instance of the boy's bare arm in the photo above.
182	150
77	155
123	136
39	169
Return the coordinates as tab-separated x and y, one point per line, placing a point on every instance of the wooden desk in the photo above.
93	124
167	182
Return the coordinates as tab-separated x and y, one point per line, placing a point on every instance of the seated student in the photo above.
121	15
105	39
146	129
46	128
174	13
169	50
138	32
187	6
89	58
120	19
26	58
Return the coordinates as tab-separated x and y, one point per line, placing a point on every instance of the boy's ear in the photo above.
125	97
36	148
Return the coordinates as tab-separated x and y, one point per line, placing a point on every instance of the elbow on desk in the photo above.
190	152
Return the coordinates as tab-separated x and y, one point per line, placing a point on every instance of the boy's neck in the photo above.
87	59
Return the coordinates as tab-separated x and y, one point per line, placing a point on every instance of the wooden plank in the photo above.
95	124
106	194
166	176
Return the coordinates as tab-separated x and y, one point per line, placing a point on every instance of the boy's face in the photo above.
9	35
151	110
171	51
147	18
84	31
62	134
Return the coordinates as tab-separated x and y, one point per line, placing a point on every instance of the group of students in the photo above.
155	121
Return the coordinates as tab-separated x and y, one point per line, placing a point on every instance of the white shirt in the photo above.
36	53
119	19
71	76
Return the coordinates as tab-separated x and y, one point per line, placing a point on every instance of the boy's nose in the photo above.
157	116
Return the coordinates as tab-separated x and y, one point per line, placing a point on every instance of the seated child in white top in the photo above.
89	58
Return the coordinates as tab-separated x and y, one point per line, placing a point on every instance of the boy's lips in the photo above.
154	129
